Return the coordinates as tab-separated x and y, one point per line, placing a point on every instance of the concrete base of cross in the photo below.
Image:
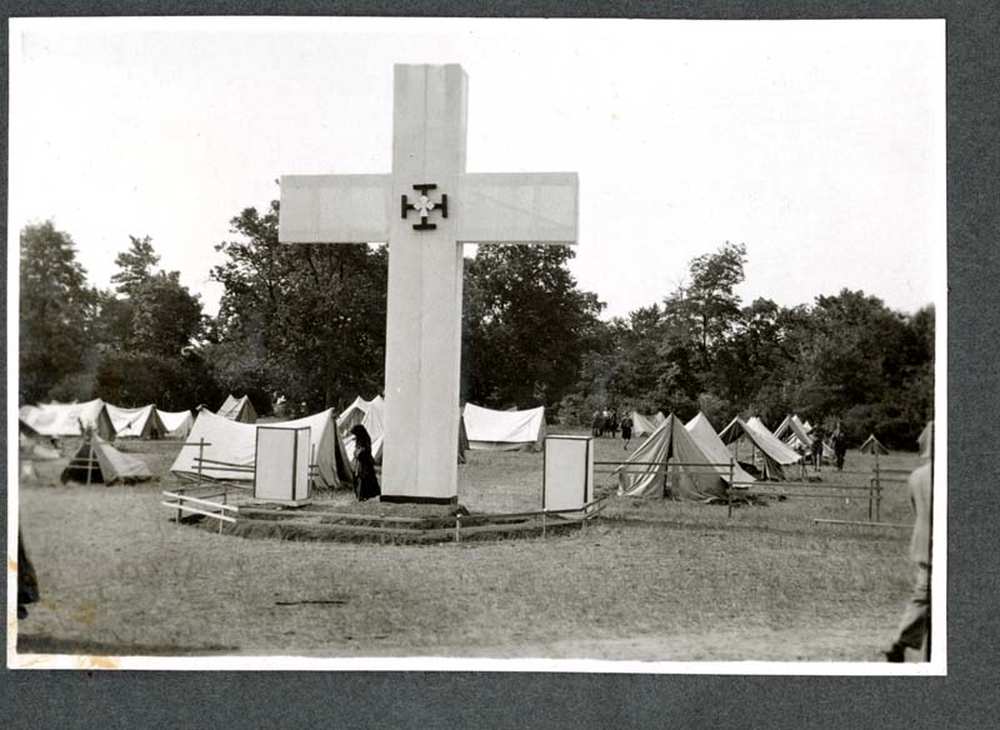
404	499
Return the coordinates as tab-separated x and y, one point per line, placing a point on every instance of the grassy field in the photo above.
651	580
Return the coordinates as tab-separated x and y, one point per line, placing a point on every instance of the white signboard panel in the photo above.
281	467
568	475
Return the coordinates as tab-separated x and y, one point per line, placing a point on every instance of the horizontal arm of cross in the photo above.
539	207
488	208
335	208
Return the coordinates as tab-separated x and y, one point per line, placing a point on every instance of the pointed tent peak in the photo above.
708	441
732	430
786	423
643	425
777	454
238	409
645	472
142	422
105	464
873	446
698	420
177	423
793	433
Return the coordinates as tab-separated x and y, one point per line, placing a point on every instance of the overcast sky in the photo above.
818	144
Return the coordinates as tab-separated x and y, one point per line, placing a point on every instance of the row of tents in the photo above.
61	420
707	463
226	448
107	421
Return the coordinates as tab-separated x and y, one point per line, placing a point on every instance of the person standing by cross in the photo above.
426	209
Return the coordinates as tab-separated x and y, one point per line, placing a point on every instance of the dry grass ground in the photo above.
652	581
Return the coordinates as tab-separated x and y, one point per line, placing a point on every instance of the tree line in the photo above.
302	328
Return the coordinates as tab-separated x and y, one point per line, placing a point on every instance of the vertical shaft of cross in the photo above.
424	308
443	207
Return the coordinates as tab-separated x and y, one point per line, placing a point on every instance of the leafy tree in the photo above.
527	326
709	303
134	265
304	321
55	311
174	384
166	317
847	358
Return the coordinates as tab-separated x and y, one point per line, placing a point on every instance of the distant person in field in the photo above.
613	424
595	424
626	431
840	448
605	421
817	449
27	581
913	626
365	479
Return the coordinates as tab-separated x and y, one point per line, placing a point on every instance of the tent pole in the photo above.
90	458
312	460
729	492
201	455
666	477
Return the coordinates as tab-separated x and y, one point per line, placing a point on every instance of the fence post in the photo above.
729	492
878	487
871	485
878	500
201	456
458	528
543	522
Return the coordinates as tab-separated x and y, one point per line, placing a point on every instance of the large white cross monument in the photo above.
426	209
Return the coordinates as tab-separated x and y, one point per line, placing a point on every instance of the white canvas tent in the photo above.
708	441
489	430
768	454
142	423
374	422
873	446
238	409
355	413
793	432
231	442
69	419
177	423
108	465
694	476
645	425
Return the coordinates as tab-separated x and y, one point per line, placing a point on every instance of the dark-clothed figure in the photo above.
27	582
913	626
626	431
840	449
597	425
365	480
817	449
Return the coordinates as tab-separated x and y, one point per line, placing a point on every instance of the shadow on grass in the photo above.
33	644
